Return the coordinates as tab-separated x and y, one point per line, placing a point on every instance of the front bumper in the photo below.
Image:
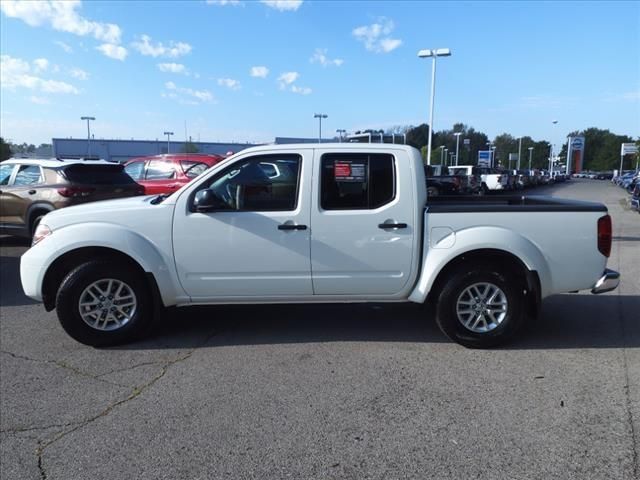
609	281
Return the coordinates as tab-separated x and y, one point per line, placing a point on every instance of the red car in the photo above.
167	173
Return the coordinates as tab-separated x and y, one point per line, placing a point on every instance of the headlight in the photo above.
41	232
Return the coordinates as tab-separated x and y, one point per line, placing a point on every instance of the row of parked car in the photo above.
31	188
473	180
630	181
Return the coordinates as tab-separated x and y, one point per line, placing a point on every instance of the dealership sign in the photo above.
577	143
575	154
628	149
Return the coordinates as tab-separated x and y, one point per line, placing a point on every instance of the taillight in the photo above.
76	191
604	235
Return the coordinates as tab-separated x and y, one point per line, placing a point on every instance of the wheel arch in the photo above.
66	262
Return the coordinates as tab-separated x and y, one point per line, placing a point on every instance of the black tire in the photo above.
447	316
485	189
432	192
36	221
75	283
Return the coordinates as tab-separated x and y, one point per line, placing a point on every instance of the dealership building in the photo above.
123	150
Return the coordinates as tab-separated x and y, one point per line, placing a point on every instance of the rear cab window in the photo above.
357	181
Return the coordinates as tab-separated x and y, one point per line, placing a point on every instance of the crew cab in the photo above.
316	223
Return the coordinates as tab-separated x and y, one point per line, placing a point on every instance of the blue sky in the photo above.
144	67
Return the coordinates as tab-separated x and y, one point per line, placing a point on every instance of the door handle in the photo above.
31	192
384	226
291	226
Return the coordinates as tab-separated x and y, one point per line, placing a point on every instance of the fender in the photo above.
479	238
141	249
40	205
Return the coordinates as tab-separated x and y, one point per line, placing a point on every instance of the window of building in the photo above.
245	186
357	181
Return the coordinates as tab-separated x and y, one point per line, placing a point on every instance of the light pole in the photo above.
530	153
450	158
489	144
88	119
493	156
446	154
168	134
519	151
457	134
319	116
439	52
441	154
555	122
340	131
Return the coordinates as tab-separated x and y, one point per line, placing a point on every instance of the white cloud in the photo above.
259	71
230	83
222	3
39	100
193	97
116	52
375	37
147	48
17	73
283	5
79	74
62	16
287	79
320	56
301	90
40	65
64	46
173	68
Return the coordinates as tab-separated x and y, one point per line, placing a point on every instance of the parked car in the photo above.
491	179
31	188
167	173
442	180
309	223
635	198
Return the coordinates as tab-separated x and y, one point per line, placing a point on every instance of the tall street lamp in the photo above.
441	154
530	153
438	52
168	134
319	116
340	131
519	151
88	119
446	155
457	134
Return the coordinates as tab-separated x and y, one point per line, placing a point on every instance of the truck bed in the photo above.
511	203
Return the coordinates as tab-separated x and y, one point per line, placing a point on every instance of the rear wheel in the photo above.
35	222
100	303
482	306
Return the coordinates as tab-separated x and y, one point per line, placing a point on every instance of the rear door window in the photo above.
357	181
135	170
28	175
159	170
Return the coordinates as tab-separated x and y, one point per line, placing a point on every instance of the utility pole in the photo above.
88	119
320	116
168	134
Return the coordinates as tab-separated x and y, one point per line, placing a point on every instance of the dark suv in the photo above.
31	188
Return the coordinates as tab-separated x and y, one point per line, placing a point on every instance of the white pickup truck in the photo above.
315	223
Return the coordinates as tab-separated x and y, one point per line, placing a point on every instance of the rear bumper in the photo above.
609	281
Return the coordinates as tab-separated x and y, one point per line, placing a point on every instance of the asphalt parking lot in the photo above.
330	391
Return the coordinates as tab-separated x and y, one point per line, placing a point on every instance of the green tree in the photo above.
418	136
190	147
5	150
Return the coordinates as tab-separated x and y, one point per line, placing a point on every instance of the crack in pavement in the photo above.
137	391
66	366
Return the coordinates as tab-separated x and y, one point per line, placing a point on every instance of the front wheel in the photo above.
102	303
481	306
